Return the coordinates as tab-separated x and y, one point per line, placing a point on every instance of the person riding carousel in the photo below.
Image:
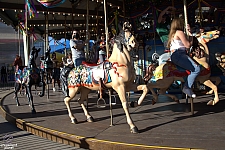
179	43
68	65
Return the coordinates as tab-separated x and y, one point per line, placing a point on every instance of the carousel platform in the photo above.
165	125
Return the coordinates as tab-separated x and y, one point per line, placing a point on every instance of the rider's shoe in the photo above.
53	89
189	92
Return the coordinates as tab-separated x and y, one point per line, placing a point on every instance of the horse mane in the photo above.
196	49
119	41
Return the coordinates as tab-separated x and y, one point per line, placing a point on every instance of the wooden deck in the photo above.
165	125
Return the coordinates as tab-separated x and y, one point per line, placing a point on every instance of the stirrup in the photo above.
101	103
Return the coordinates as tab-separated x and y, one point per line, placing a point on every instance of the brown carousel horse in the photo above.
117	73
165	74
28	76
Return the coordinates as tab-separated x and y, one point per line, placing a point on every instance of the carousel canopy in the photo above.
63	16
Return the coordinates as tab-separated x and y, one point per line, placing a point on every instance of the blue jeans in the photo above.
180	58
78	61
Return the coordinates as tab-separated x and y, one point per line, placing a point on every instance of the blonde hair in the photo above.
177	24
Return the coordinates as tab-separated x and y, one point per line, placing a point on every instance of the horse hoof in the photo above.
33	111
40	94
134	130
90	119
74	121
212	102
177	101
132	104
153	102
18	104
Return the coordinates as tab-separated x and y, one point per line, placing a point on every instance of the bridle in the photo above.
128	39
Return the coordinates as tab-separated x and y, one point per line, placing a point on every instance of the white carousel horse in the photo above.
117	73
166	73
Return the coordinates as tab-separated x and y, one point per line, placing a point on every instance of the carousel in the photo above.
133	99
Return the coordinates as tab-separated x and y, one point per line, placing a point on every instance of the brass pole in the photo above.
106	28
185	14
65	51
87	27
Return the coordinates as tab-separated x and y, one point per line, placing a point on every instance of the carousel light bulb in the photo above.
15	10
58	13
78	15
3	9
110	4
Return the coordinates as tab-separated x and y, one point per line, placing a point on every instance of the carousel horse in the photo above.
221	61
28	76
48	65
117	72
166	73
221	65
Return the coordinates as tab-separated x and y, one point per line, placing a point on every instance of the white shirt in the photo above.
177	44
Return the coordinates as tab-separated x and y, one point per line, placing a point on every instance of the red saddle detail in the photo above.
88	64
166	50
188	72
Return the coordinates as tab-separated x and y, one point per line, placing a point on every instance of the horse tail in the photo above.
149	73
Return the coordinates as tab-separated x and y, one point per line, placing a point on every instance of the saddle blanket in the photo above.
89	75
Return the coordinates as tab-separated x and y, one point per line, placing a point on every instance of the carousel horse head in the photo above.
125	38
205	37
221	61
33	55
